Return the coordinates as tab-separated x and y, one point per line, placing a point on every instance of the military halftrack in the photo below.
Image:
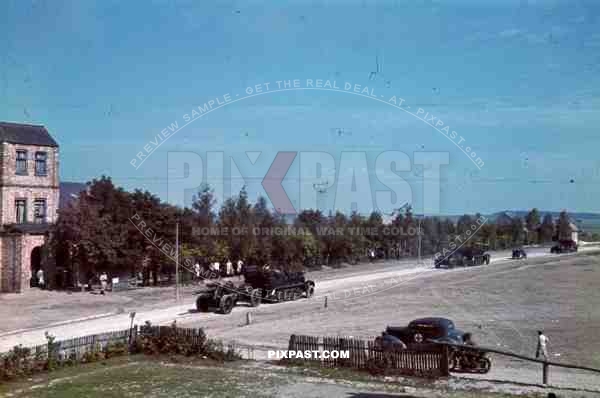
464	256
260	284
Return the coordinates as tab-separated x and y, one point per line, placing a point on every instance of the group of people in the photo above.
230	269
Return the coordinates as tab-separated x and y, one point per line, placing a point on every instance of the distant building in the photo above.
29	194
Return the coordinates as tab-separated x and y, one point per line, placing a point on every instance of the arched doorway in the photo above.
36	263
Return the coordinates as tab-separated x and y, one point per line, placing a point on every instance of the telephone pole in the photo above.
177	262
419	229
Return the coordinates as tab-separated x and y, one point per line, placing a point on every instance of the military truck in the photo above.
519	253
464	256
260	283
564	246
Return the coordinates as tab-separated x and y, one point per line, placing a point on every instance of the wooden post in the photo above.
325	306
545	373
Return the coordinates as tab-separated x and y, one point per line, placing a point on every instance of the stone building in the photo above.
29	196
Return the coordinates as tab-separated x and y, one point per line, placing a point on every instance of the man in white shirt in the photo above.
40	278
240	263
103	282
217	267
229	268
542	346
197	271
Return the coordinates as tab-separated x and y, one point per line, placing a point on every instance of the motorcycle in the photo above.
469	361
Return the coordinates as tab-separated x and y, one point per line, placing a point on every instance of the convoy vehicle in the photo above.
464	256
462	358
518	254
259	284
564	246
422	330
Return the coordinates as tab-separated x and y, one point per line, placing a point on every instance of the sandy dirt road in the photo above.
503	304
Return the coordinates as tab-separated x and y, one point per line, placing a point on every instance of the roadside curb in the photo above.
62	323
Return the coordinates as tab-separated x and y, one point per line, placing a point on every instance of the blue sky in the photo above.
519	80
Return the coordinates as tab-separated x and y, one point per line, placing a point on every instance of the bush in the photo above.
154	340
115	350
151	340
16	363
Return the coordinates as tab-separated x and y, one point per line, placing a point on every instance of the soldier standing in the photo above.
197	270
40	278
103	282
542	345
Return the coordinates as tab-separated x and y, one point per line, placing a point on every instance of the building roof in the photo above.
25	134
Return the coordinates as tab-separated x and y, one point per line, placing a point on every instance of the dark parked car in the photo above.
388	342
421	330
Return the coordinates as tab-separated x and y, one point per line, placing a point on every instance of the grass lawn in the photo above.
142	377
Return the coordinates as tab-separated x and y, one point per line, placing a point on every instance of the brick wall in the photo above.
15	258
9	195
10	260
28	243
29	186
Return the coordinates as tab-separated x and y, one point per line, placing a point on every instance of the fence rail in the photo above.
430	360
77	348
545	364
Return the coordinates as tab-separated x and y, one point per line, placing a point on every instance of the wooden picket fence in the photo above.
76	348
193	336
428	360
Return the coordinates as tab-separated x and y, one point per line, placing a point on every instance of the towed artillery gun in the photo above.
260	284
465	256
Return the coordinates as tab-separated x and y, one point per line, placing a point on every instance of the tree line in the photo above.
110	229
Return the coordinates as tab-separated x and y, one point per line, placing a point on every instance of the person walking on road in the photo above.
103	282
40	278
542	346
197	270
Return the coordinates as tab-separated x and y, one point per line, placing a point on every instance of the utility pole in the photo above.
419	240
177	262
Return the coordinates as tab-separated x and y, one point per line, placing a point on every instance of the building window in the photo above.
39	211
21	167
21	210
40	164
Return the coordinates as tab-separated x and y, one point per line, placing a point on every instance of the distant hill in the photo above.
68	192
589	222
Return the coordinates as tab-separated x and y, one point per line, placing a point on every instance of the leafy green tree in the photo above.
564	226
546	229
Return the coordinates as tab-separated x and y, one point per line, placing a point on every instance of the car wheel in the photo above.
227	304
485	364
255	298
310	290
